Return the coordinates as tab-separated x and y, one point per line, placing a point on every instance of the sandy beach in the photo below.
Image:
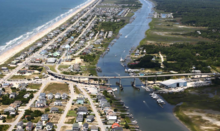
11	52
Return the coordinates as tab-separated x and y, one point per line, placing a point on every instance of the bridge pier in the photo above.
98	81
134	82
108	82
119	81
155	79
146	82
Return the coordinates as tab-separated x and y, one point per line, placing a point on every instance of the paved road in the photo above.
98	118
67	108
127	77
21	113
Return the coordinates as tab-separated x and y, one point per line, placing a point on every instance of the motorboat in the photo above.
152	94
155	96
160	101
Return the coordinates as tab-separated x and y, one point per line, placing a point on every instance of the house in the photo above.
12	95
51	60
57	96
4	85
79	118
117	129
20	126
9	109
50	96
64	96
26	95
85	127
39	104
15	104
49	126
54	110
39	126
4	69
82	110
44	117
94	128
58	103
111	119
115	125
75	127
80	100
90	118
29	126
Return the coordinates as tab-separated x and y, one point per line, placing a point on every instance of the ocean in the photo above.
21	19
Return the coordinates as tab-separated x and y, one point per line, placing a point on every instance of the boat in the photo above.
155	96
152	94
160	101
122	60
98	69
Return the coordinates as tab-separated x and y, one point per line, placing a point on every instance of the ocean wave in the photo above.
16	41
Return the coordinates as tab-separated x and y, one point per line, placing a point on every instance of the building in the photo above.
51	60
173	83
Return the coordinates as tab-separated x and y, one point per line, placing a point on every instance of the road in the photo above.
127	77
67	108
21	113
94	109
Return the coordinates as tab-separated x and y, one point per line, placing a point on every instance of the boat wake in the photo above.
20	39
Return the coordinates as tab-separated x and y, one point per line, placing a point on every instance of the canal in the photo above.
149	115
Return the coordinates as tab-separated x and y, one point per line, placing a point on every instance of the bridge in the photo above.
79	78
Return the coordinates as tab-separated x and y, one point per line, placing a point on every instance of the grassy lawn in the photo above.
34	86
63	67
57	88
52	68
71	113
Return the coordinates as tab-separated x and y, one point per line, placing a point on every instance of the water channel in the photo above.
149	115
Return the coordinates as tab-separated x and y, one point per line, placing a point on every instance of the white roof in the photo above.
51	60
172	81
112	117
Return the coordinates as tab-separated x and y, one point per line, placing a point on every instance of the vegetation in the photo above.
6	100
30	115
34	86
194	99
195	13
76	90
4	127
182	57
145	62
71	113
111	26
57	88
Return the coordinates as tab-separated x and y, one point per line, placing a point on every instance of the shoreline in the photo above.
14	50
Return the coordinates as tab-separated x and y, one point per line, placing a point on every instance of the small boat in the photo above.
122	60
160	101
